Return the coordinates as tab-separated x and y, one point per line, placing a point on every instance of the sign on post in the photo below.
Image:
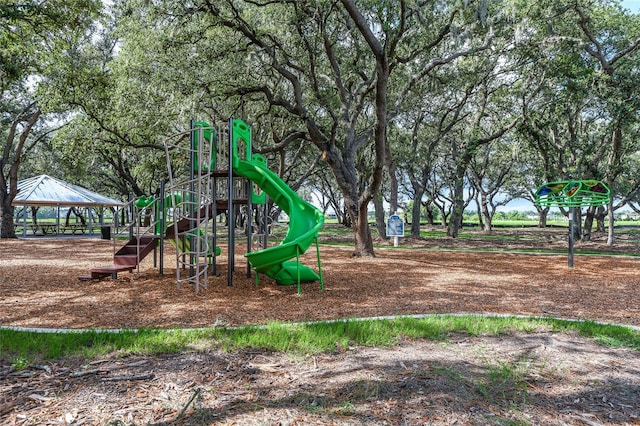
395	228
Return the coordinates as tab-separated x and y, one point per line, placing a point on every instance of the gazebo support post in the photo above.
24	221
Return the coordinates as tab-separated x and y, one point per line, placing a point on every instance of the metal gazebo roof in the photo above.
45	190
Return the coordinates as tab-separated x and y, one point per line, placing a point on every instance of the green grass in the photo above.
501	250
610	335
92	344
462	235
21	348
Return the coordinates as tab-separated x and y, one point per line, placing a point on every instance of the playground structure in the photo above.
571	194
144	237
208	178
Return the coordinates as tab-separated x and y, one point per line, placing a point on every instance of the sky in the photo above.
632	5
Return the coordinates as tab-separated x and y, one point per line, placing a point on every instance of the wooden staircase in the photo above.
125	259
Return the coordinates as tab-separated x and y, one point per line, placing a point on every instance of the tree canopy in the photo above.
436	105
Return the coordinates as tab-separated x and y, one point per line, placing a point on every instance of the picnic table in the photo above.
52	228
75	227
47	228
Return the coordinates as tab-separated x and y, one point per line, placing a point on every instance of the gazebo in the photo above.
47	191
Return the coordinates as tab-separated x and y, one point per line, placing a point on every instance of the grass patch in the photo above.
503	383
20	348
92	344
610	335
496	250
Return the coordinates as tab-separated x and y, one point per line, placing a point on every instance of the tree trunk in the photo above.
364	242
479	214
345	218
34	215
577	223
415	216
615	158
393	181
445	216
610	235
542	217
601	213
362	232
379	211
7	229
486	215
588	224
77	214
9	175
431	218
456	212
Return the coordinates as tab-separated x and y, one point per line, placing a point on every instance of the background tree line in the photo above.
452	105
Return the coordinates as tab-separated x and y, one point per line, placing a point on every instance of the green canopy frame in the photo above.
572	194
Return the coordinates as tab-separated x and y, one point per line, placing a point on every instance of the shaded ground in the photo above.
542	378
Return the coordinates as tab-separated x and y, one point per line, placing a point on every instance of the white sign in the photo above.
395	226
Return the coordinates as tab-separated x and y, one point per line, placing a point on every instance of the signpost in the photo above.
572	194
395	228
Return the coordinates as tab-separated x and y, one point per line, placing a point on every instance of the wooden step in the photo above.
129	255
130	260
130	249
125	259
106	271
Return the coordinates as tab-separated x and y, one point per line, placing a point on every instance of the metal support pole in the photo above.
190	202
162	225
298	269
132	216
214	230
249	232
231	217
265	223
571	231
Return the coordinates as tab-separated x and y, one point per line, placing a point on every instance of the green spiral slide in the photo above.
305	221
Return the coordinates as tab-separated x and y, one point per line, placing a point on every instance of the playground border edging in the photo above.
43	330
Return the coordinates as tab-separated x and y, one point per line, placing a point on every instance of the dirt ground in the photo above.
539	378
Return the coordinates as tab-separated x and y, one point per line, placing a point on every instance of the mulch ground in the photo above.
39	287
541	378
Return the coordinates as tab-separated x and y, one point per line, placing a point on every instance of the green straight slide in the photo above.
305	222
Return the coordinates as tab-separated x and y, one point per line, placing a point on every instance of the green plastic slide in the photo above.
305	221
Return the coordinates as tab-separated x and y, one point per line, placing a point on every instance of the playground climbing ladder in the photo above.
188	204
